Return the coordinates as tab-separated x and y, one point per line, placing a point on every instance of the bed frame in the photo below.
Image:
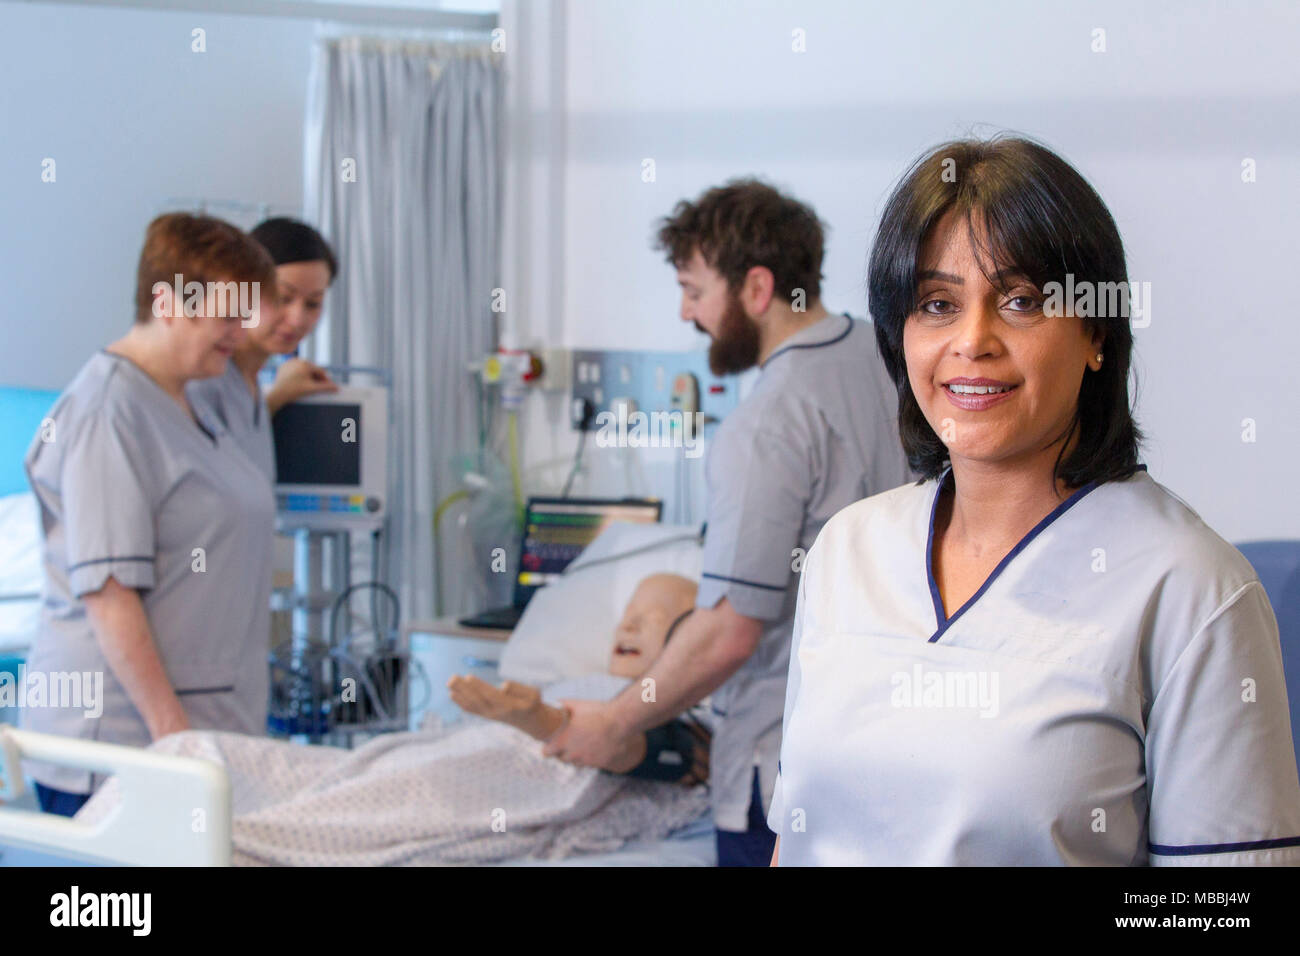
156	788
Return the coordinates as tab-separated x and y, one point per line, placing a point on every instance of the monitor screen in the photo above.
557	531
318	443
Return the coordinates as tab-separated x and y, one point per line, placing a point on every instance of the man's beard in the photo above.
736	346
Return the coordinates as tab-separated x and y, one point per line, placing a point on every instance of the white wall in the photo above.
1160	123
132	118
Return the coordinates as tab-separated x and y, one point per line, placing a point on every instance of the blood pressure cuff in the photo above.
669	753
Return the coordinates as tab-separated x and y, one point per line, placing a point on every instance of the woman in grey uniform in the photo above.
157	548
304	269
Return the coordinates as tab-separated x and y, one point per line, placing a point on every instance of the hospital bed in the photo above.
565	632
175	811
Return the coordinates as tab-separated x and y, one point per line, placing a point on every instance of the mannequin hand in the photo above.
515	704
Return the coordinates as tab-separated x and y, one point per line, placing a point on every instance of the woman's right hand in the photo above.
295	379
171	721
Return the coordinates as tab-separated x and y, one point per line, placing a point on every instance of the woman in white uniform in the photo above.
157	548
304	270
1037	654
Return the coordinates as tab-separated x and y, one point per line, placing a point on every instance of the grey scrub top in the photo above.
817	432
131	487
226	398
1112	695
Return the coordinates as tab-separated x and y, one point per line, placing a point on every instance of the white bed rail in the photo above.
172	811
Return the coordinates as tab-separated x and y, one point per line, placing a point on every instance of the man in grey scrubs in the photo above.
816	433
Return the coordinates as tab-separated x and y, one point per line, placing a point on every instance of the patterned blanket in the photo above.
479	792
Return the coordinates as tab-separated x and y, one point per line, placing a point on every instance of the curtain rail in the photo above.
306	10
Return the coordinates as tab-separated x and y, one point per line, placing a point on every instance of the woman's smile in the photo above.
977	394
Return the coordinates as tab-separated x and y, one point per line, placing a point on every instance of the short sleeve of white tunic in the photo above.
1219	755
1113	694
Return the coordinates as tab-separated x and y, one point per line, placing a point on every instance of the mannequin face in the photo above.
641	633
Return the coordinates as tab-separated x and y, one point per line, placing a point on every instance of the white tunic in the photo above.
1112	694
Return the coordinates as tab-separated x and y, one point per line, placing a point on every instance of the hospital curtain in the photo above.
403	176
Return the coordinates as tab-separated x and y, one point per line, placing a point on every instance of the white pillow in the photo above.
567	630
21	573
20	545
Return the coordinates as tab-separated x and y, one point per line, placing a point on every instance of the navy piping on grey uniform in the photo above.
944	623
1161	849
229	688
82	564
812	345
752	584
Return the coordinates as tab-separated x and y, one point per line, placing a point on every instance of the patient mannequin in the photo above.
659	603
445	795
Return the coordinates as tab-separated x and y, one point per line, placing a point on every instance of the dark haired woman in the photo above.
304	269
1037	654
